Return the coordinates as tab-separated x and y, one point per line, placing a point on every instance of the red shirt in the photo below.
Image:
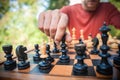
90	22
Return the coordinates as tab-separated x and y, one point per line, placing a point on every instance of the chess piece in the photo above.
95	45
80	67
36	57
22	57
81	34
44	65
104	67
55	50
116	63
113	43
64	58
9	64
89	42
73	34
80	41
49	58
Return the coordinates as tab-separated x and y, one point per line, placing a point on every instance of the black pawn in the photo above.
49	58
22	57
95	45
64	58
104	67
36	57
55	50
80	67
9	64
44	65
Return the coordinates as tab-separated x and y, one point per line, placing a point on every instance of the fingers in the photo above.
41	21
54	23
47	22
68	38
61	28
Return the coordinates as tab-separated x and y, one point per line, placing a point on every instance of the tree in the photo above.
57	4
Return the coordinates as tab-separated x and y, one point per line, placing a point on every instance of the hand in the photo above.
54	23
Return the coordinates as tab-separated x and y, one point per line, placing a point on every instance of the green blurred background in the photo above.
18	20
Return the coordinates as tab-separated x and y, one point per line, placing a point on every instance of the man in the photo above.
88	16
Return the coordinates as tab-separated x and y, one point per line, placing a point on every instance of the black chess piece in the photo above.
116	60
80	41
36	57
44	65
95	45
116	63
9	64
104	67
55	50
49	58
80	67
64	58
22	57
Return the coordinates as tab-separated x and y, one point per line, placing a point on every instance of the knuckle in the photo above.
41	14
62	27
57	39
53	29
40	27
46	29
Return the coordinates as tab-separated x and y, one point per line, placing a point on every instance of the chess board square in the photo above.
31	55
90	72
25	70
72	56
94	56
86	61
55	56
61	70
96	62
55	61
70	63
87	57
71	50
101	75
32	61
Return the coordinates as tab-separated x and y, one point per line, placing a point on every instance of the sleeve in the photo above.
114	17
65	9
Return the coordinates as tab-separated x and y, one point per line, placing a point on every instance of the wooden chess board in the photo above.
59	70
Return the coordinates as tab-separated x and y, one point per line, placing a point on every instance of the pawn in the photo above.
22	57
64	58
55	50
44	65
95	45
36	57
9	64
80	67
49	58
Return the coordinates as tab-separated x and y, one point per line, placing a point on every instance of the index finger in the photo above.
61	28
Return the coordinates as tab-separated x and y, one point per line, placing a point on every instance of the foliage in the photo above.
4	7
57	4
114	31
20	27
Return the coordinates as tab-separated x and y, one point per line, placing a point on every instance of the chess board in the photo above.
64	70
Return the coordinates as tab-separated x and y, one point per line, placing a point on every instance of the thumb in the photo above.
68	38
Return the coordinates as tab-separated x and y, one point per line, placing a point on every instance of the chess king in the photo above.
88	15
